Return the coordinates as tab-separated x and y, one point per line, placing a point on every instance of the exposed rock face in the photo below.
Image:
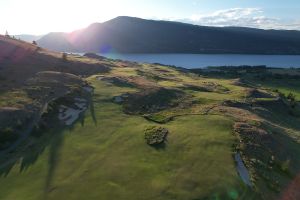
155	135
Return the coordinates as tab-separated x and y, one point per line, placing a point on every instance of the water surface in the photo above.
204	60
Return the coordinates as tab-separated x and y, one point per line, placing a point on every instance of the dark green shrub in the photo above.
7	136
291	97
155	135
64	57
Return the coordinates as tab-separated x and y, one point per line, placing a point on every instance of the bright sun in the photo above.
38	17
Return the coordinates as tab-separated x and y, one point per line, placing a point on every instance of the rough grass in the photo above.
284	86
104	155
16	98
106	158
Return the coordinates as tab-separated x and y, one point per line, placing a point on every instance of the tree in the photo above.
6	34
292	98
64	57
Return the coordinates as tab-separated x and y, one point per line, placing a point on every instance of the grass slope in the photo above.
104	155
106	158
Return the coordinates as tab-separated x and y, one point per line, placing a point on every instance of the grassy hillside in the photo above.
110	155
90	141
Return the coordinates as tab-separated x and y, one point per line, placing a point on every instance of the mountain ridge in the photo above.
28	37
135	35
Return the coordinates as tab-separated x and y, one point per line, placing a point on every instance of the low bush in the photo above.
7	136
155	135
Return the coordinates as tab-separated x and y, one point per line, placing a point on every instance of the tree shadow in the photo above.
92	110
82	120
160	147
55	146
50	138
52	141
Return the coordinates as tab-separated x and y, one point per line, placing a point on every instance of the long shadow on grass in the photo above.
51	138
92	109
160	147
53	141
55	146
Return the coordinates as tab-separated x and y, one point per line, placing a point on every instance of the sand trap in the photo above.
100	77
242	170
118	99
88	89
69	115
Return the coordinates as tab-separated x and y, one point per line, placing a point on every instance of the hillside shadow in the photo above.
50	139
277	112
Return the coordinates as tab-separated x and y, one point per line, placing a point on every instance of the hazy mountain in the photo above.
57	42
29	38
135	35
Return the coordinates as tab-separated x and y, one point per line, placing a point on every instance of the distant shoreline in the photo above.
192	61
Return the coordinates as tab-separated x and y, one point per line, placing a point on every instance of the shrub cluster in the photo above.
155	135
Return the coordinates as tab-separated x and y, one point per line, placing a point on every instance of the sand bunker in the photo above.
242	170
88	89
68	115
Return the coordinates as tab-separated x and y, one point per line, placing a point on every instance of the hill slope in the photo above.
134	35
29	38
20	60
144	131
30	79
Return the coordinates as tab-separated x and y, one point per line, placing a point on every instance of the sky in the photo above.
43	16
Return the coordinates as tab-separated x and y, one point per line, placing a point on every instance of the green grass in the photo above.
284	86
105	155
107	158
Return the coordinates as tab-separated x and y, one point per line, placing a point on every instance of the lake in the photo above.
203	60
